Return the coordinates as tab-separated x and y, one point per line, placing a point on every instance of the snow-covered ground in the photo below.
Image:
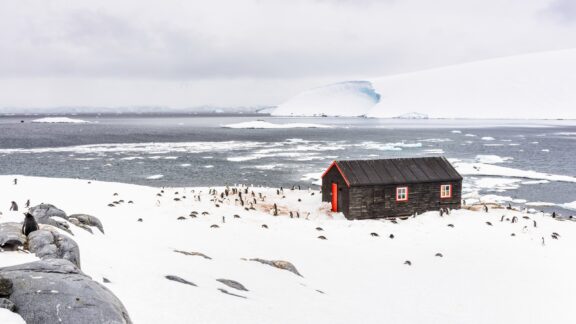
485	275
60	120
538	86
260	124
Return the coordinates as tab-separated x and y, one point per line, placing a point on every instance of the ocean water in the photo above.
188	151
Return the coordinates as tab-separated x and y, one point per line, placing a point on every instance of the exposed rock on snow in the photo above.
260	124
49	244
194	254
60	120
180	280
284	265
56	291
44	214
232	284
47	214
224	291
86	220
11	237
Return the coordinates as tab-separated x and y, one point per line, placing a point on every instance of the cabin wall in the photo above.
380	201
334	176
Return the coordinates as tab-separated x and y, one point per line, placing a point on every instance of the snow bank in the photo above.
350	98
351	276
260	124
7	317
60	120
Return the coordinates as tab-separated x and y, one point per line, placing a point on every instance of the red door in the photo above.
334	197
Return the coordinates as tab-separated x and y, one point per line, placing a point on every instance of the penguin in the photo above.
30	225
14	206
28	203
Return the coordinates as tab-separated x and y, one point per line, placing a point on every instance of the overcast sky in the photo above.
183	53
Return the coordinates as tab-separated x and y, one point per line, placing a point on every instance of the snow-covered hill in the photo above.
466	267
534	86
332	100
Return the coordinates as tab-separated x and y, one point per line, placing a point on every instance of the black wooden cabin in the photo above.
363	189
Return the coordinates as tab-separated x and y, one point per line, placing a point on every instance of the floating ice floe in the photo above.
492	159
60	120
260	124
155	177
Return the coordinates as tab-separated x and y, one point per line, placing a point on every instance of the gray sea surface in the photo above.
185	150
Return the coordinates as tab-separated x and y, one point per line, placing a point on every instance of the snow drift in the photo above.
535	86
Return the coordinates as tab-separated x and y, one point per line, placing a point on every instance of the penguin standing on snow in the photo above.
29	225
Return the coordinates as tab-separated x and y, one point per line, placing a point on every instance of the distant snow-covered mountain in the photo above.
531	86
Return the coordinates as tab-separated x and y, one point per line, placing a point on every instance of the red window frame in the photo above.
442	191
406	198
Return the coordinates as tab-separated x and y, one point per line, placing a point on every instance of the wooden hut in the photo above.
363	189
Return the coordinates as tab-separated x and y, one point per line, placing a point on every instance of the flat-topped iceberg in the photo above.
60	120
260	124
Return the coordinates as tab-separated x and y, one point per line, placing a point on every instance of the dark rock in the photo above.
407	262
322	237
49	244
194	254
374	234
105	280
224	291
181	218
232	284
284	265
180	280
214	226
87	220
8	304
11	237
56	291
264	226
440	255
451	225
319	229
5	287
140	220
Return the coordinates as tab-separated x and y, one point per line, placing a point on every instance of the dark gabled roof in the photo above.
396	171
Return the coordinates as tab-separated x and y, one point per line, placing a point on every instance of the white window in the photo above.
401	193
446	191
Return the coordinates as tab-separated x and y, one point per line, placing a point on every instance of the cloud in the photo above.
221	43
564	10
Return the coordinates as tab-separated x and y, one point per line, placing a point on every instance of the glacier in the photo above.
529	86
346	99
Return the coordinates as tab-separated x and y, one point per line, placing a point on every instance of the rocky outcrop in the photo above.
48	214
85	221
11	237
284	265
180	280
49	244
232	284
56	291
